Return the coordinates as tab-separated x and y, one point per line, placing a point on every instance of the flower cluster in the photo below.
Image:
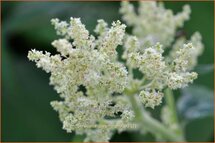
87	63
93	83
151	98
153	23
193	53
154	28
159	73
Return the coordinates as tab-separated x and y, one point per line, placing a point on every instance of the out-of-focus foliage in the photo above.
196	108
26	112
196	102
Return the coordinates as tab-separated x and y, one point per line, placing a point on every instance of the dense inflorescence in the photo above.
93	83
89	63
154	32
153	23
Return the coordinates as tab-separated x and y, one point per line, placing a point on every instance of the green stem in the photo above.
172	108
149	123
171	104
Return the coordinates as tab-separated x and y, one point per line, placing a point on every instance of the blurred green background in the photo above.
26	94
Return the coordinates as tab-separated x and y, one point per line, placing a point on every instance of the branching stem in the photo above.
146	122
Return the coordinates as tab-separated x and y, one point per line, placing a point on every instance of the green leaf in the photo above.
196	107
205	69
196	102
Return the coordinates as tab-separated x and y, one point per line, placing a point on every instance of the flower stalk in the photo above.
148	123
173	112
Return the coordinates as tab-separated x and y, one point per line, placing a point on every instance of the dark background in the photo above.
26	94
